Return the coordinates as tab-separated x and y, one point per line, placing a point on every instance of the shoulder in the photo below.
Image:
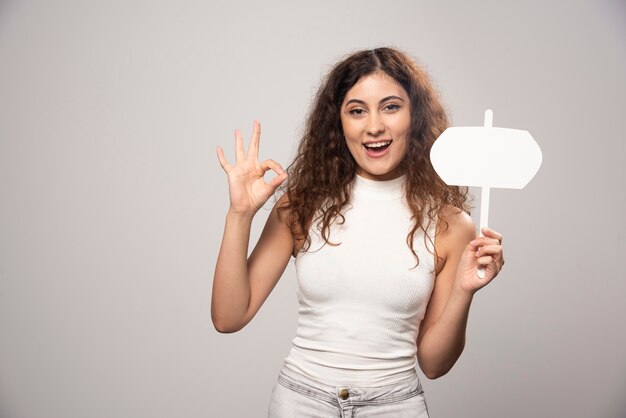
453	220
455	228
285	217
282	202
282	210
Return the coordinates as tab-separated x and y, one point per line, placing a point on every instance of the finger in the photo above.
239	152
276	181
272	165
282	174
485	260
488	232
482	241
490	250
222	158
253	148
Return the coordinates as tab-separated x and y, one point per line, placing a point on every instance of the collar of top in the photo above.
379	189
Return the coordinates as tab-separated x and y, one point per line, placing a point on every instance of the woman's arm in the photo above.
241	284
442	332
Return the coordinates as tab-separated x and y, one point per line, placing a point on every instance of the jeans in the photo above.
297	396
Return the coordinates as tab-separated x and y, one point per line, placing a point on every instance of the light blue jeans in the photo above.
297	396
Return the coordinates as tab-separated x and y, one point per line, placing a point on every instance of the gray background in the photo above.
113	202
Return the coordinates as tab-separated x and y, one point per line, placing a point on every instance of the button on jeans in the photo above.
297	396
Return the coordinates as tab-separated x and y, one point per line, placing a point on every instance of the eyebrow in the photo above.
381	100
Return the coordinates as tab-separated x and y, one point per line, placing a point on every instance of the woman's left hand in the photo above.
483	251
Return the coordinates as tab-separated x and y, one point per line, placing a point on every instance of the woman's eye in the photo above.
356	111
392	106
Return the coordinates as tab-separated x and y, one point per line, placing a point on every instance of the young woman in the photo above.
385	253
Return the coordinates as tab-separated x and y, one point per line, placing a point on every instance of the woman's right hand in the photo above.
248	191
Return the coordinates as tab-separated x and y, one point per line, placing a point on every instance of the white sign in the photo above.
486	157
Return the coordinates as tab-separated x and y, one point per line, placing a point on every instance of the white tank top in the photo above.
360	305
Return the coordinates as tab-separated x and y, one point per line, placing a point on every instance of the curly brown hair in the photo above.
322	173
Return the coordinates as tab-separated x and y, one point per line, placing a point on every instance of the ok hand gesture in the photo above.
248	191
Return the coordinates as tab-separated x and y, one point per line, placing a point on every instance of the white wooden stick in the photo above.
484	197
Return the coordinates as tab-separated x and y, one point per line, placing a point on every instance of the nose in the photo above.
375	124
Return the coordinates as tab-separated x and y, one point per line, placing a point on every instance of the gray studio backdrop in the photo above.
112	201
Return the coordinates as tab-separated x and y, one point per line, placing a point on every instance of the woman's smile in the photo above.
377	149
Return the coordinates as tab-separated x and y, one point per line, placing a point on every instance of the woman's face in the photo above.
376	111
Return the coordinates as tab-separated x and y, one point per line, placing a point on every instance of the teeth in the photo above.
378	144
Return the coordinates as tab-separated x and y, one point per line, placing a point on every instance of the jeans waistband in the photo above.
351	394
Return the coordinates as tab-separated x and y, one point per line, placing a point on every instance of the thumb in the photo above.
276	181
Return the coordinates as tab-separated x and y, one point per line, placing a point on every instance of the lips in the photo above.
378	141
377	152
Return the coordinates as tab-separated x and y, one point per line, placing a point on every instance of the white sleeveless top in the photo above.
360	305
